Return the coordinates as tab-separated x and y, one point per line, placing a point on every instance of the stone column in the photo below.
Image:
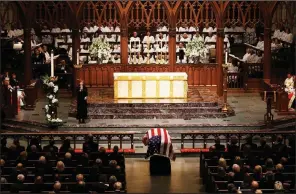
172	48
267	55
219	59
28	53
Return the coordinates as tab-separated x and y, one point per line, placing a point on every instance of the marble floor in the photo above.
249	111
184	178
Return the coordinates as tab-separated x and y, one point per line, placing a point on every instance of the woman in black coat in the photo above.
81	102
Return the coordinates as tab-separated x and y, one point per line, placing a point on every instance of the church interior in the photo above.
160	96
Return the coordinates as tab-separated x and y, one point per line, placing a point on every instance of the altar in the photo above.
150	85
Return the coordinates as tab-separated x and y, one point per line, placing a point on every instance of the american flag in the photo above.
159	142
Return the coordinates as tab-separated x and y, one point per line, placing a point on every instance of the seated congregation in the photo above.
249	168
51	170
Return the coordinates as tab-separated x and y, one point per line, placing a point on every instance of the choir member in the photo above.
260	44
82	102
207	28
228	28
149	59
95	28
95	36
46	55
85	38
185	38
193	29
198	36
162	28
11	33
183	28
252	58
215	29
288	36
46	38
160	59
246	56
92	60
116	48
238	28
278	33
59	39
148	48
87	28
84	50
117	29
161	38
109	38
55	29
276	45
115	58
226	41
250	34
210	39
181	54
258	58
148	39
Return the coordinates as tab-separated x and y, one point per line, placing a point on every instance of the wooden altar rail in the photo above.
95	75
74	137
206	137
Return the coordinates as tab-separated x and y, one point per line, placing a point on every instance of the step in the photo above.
157	116
158	105
137	110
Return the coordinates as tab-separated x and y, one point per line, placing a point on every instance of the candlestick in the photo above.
51	65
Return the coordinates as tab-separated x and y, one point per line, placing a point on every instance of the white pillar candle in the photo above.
226	57
77	57
51	65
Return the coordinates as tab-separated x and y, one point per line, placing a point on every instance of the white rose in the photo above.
48	116
55	89
50	84
50	96
54	100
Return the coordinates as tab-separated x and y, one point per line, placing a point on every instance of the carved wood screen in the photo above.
245	12
9	14
147	15
285	13
101	13
196	13
51	13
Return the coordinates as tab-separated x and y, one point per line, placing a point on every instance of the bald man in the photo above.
18	185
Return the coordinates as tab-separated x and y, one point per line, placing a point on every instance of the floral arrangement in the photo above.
100	49
51	108
196	49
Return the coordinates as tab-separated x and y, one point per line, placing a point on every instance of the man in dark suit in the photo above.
14	82
264	148
249	141
18	185
232	147
82	102
19	148
51	147
279	147
17	171
90	146
218	146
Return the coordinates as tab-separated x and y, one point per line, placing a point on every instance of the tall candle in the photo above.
77	57
51	65
226	57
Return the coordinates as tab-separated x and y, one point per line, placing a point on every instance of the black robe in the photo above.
81	103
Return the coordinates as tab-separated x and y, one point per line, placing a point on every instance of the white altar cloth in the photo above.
150	85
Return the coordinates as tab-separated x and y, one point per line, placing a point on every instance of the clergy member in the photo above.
290	89
81	102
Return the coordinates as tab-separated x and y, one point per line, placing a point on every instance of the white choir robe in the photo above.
92	62
151	60
149	39
215	29
87	39
117	29
110	39
47	57
161	61
116	50
135	39
87	29
246	56
226	29
227	46
105	61
232	69
165	29
46	39
135	50
250	35
163	39
70	53
151	50
238	38
177	29
288	37
69	40
95	28
182	29
109	29
64	46
199	38
116	60
83	58
55	30
275	47
258	59
11	33
33	31
136	61
188	39
33	43
210	39
118	38
209	29
252	59
193	29
277	34
57	41
260	45
20	32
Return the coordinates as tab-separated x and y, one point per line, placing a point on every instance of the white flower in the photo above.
55	89
50	96
48	116
54	100
50	84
